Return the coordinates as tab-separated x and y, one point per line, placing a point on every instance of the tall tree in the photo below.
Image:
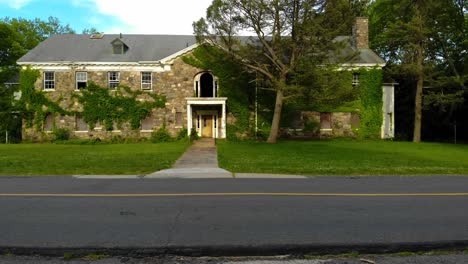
284	34
417	37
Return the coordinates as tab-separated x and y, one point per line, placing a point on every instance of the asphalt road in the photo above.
323	213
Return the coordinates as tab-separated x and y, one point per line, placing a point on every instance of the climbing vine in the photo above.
234	82
34	104
370	85
116	106
99	104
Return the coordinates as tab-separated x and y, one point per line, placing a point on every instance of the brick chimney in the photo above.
361	33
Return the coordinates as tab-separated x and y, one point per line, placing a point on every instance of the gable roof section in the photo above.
364	57
144	49
81	48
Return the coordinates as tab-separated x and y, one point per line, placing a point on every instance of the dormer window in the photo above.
118	49
118	46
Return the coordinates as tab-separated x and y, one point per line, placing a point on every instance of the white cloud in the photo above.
149	16
16	4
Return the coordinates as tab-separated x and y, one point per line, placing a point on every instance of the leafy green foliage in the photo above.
10	121
183	134
122	105
234	82
424	41
193	134
34	104
161	135
325	89
61	134
286	33
370	85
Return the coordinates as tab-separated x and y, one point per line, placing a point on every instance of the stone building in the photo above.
153	64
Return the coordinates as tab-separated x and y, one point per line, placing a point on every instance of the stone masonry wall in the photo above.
341	125
175	85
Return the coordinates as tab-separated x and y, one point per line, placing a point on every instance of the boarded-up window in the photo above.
178	119
49	122
325	121
147	123
355	120
81	125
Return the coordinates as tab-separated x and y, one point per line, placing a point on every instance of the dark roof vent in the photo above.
97	36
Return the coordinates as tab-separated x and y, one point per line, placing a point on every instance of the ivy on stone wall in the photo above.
370	85
234	83
34	104
109	107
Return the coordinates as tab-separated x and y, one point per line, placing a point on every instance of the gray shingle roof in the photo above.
365	56
81	48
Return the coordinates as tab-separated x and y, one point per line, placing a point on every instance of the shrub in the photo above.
61	134
161	135
312	126
182	134
193	134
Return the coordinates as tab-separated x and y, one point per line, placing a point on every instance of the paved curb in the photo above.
268	176
247	250
107	177
191	173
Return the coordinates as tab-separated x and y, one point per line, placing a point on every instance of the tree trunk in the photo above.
419	95
273	137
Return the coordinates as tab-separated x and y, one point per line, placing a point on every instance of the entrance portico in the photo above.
207	115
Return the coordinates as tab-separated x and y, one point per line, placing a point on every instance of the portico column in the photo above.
223	121
189	119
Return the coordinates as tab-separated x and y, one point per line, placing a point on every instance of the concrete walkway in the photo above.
199	161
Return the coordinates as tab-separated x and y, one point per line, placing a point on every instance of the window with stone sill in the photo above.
113	79
146	81
81	80
49	80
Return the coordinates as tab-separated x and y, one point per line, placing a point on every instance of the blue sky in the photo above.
113	16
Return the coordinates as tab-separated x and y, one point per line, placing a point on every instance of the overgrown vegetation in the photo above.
115	107
370	85
234	82
34	104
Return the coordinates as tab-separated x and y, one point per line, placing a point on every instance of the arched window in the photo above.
206	85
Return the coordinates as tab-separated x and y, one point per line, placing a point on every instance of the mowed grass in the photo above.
344	157
52	159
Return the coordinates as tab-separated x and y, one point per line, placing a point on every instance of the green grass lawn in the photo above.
344	157
58	159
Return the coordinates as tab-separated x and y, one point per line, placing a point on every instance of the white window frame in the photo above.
147	85
111	83
77	79
48	82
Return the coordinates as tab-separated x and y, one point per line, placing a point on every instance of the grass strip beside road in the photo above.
100	159
344	157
